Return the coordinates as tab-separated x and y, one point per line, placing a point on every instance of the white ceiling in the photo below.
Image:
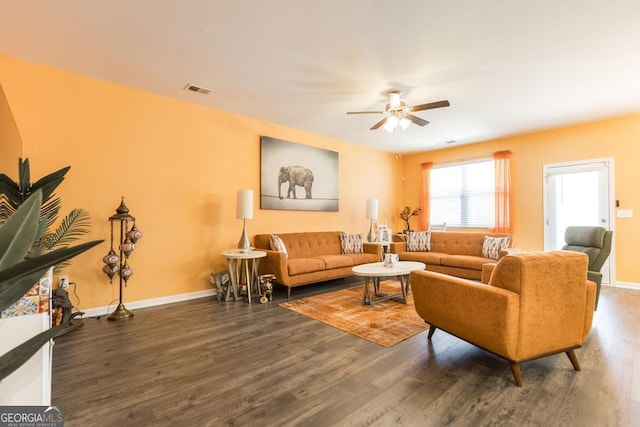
506	66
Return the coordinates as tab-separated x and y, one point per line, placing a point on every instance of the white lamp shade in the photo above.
372	208
244	204
391	124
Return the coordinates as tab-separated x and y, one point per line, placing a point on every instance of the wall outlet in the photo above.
63	282
625	213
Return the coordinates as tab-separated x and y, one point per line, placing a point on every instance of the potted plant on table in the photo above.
406	215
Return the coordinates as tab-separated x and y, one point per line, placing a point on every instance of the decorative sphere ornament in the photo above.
127	247
134	234
111	258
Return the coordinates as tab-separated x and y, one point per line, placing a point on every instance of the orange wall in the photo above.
10	141
178	166
617	138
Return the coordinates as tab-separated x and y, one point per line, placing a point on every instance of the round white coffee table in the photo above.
376	270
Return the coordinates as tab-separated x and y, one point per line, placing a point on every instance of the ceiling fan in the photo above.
397	113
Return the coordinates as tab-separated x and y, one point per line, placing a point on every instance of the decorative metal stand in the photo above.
119	264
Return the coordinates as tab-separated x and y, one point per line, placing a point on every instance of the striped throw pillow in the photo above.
277	244
351	243
493	245
419	241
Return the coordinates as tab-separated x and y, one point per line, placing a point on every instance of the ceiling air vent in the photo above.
194	88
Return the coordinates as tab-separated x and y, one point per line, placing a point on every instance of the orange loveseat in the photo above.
535	304
311	257
453	253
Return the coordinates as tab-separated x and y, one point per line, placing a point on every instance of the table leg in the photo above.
248	279
232	264
404	284
255	278
366	296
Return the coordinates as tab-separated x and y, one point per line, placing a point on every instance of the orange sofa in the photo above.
535	304
453	253
311	257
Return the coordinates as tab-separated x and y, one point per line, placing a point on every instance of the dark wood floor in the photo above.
210	363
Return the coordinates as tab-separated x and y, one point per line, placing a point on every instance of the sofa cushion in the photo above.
336	261
463	261
493	245
277	244
363	258
304	265
419	241
351	243
432	258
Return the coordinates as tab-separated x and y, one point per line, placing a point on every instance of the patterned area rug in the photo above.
386	323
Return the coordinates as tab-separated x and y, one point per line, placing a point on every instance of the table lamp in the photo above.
244	211
372	213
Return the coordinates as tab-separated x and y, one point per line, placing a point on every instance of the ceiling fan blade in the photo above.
380	123
429	106
365	112
417	120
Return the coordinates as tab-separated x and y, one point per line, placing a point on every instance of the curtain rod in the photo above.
469	159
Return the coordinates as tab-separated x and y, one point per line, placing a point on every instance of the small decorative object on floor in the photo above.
406	215
221	280
115	263
266	287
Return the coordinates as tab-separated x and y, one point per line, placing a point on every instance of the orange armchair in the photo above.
536	304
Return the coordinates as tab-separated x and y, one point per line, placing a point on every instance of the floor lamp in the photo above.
372	213
119	263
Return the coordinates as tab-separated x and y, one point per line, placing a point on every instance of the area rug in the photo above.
385	323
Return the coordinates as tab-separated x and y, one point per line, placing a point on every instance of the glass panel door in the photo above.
576	194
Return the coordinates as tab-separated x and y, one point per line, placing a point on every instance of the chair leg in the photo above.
288	292
432	329
574	360
517	376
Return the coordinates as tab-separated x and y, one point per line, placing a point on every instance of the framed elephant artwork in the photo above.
297	177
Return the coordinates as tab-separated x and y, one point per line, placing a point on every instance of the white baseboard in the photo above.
626	285
105	310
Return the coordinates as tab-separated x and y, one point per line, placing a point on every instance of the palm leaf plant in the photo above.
13	194
19	273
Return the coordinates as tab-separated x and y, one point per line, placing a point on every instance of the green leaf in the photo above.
24	178
74	225
49	183
17	356
18	233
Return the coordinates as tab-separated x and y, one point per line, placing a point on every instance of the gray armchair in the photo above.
596	243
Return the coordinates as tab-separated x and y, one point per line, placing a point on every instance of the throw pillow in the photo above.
419	241
277	244
493	245
351	243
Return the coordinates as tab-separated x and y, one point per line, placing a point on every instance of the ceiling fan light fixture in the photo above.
391	124
394	99
404	123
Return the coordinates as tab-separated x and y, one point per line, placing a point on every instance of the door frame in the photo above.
610	202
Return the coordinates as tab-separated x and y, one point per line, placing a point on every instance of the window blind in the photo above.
463	195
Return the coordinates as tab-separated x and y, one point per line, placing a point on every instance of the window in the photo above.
463	195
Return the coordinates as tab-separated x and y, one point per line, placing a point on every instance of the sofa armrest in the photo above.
484	315
508	251
275	263
487	270
372	248
397	247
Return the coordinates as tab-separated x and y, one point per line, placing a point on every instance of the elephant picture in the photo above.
300	166
296	176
